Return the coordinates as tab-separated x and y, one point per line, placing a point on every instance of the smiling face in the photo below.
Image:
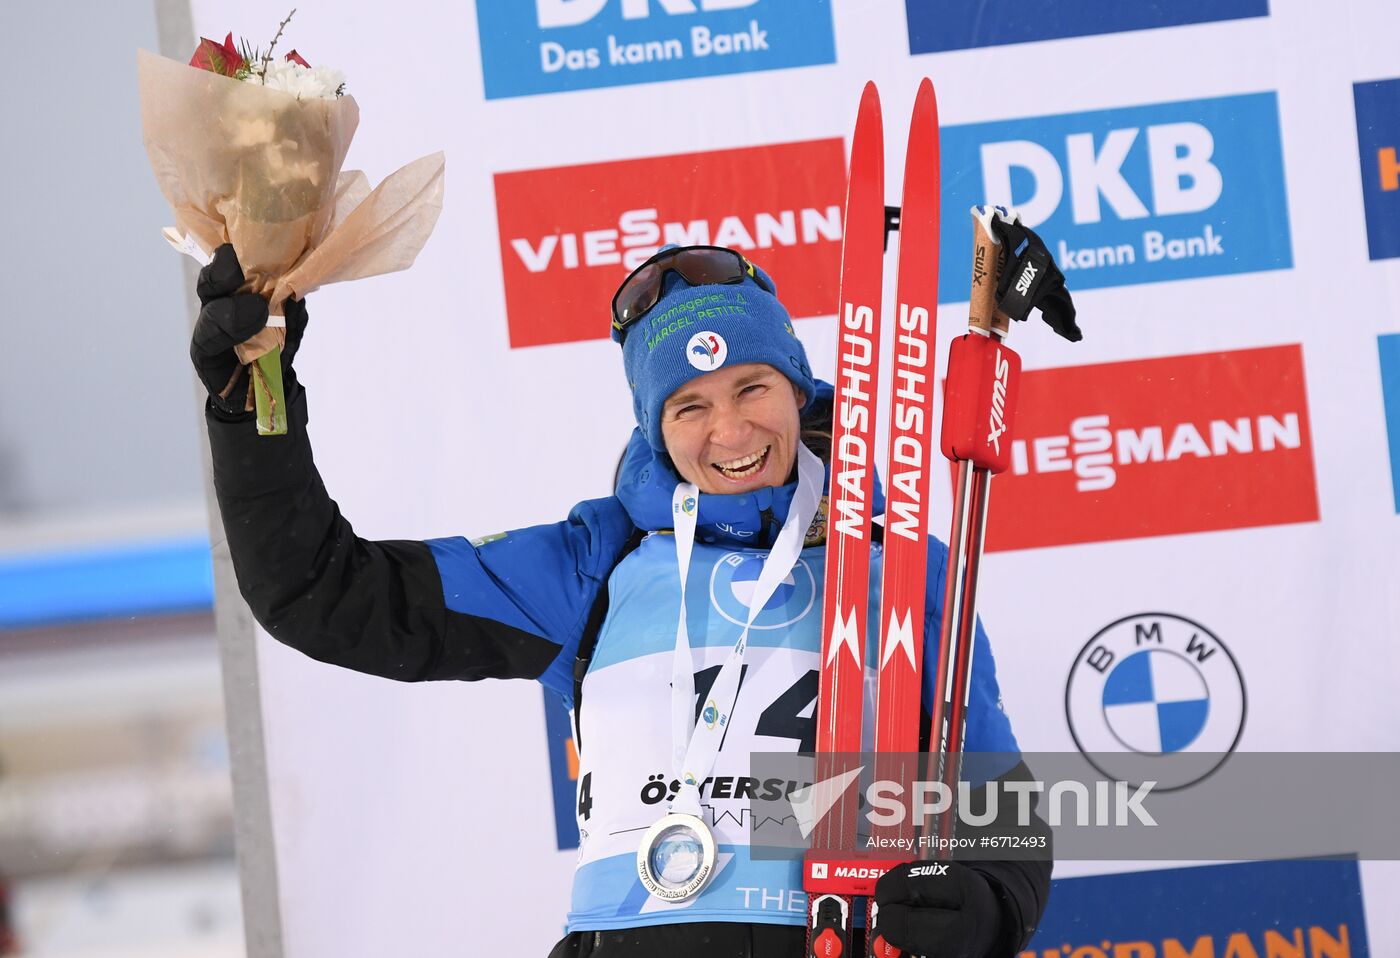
735	429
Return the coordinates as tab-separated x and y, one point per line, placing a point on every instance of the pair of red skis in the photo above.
979	402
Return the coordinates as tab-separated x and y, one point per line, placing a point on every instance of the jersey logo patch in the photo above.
735	578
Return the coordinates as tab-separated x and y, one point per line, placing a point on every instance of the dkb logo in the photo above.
1139	194
549	46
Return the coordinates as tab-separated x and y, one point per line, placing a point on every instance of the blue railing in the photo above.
152	578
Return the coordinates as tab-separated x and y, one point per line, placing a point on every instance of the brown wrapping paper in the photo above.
261	169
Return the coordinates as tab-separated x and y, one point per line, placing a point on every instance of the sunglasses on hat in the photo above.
697	265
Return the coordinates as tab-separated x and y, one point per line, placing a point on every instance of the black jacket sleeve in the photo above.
375	607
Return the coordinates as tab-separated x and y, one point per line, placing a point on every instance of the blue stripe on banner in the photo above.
967	24
560	733
1377	136
1248	908
1390	390
155	578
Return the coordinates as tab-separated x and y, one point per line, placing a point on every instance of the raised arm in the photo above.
405	610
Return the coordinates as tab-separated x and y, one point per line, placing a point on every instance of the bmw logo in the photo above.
1158	697
735	579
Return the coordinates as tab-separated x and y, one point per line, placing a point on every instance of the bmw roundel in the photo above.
1155	696
735	580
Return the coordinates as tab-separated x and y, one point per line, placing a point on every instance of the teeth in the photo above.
745	464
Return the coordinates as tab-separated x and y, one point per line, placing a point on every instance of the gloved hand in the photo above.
938	910
1039	282
227	318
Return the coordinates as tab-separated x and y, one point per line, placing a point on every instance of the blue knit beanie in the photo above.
693	330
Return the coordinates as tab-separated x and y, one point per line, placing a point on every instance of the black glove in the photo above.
938	910
1039	284
227	318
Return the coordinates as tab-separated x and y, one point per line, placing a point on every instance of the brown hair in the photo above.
815	430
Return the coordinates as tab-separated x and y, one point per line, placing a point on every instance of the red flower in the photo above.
296	58
224	60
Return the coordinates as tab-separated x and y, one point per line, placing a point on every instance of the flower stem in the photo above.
268	395
267	57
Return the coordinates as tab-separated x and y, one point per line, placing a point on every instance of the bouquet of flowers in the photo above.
248	149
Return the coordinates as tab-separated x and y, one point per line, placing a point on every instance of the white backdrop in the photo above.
418	820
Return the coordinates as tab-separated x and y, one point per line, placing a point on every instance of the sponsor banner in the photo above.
1378	139
1140	194
1155	685
1390	390
1299	909
569	235
563	769
1157	447
967	24
550	46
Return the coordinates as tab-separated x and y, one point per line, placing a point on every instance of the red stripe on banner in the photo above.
569	235
1157	447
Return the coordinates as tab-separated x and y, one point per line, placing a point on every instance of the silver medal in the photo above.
676	857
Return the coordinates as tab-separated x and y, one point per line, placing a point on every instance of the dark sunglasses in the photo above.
697	265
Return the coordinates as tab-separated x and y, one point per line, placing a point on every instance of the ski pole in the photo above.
978	411
983	380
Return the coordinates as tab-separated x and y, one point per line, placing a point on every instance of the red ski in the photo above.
976	435
844	611
834	874
910	460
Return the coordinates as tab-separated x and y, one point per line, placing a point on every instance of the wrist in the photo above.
227	410
1005	939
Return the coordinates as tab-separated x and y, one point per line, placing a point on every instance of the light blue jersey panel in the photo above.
625	723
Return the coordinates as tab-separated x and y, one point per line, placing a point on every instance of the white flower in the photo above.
301	82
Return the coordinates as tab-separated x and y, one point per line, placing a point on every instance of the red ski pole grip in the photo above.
979	404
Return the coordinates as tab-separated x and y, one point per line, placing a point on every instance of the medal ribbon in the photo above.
695	743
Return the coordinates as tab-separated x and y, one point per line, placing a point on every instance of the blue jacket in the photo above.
544	580
508	606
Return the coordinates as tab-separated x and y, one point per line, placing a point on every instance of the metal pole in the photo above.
238	657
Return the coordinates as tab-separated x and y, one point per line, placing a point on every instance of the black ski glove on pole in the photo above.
227	318
1038	282
938	910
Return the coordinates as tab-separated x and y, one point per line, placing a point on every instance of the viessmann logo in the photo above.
570	234
1157	447
966	24
1140	194
549	46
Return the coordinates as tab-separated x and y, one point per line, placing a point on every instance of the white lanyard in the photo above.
695	744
